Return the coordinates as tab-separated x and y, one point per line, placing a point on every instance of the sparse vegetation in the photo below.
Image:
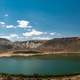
26	51
5	76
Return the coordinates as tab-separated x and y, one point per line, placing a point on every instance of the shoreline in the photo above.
11	53
7	76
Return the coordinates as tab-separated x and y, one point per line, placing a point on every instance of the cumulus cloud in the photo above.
6	15
33	33
10	37
13	35
29	26
41	38
23	24
3	36
30	32
2	23
52	33
29	29
10	26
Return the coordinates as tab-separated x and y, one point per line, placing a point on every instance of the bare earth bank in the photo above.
25	53
19	77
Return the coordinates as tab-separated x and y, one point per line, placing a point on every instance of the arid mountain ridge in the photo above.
68	44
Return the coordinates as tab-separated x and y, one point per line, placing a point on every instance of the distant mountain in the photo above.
70	44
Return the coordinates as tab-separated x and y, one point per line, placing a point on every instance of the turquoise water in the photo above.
39	66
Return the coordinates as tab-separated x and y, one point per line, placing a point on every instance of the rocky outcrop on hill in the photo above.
28	44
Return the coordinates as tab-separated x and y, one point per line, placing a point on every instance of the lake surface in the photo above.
39	66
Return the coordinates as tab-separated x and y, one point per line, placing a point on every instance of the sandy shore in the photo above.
11	53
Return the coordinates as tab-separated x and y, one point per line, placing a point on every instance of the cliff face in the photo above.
71	44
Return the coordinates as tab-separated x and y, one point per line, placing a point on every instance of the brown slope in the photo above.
70	44
5	44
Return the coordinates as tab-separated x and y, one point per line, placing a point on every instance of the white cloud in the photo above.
13	35
23	24
2	23
10	26
53	33
30	32
41	38
33	33
6	15
2	36
29	29
45	33
29	26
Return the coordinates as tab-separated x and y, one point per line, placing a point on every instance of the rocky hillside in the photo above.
28	44
5	44
70	44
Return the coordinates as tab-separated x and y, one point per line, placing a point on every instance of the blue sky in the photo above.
39	19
